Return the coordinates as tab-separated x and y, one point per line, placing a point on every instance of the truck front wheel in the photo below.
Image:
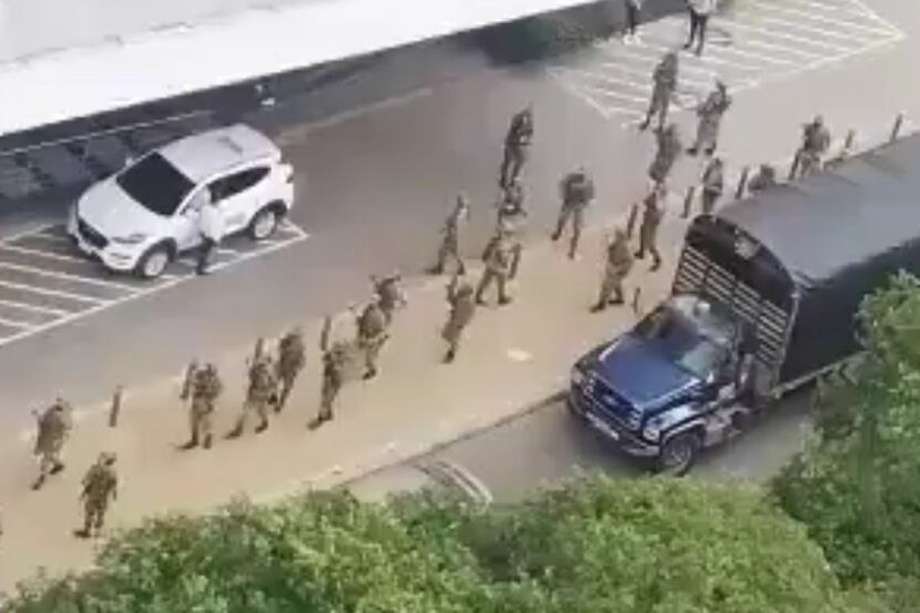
679	454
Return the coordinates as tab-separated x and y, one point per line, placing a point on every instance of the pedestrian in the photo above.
633	12
211	227
204	388
292	356
54	426
577	190
450	243
713	184
669	149
710	118
648	230
462	308
389	293
816	140
619	262
700	10
261	393
100	488
517	144
765	178
372	335
336	357
665	84
501	258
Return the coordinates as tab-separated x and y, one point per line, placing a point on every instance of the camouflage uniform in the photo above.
500	257
462	308
204	389
577	193
291	360
766	177
713	184
260	394
335	361
100	487
648	231
710	114
669	147
816	139
619	263
665	78
372	334
54	426
450	244
517	142
391	296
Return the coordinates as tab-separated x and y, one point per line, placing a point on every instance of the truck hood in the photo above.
111	211
642	375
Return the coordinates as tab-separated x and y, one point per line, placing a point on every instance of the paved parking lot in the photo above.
762	41
46	282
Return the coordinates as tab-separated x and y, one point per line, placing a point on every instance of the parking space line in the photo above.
708	58
51	292
831	8
718	50
794	25
769	6
651	61
15	324
48	237
29	232
43	254
67	276
253	254
32	307
727	24
228	251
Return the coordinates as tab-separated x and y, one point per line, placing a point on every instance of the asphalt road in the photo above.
377	170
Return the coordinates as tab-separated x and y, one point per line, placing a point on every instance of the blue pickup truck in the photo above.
763	301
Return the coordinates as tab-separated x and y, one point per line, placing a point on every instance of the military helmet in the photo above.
107	458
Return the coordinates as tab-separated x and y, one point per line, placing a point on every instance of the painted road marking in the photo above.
519	355
764	41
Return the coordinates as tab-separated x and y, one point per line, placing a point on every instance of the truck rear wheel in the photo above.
679	454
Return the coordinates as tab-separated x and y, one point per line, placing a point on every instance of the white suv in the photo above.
142	217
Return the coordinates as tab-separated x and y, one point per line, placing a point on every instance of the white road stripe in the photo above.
652	61
586	98
707	58
808	15
588	75
611	94
28	232
68	277
48	237
851	8
15	324
50	292
717	50
228	251
785	49
796	25
253	254
727	23
44	254
31	307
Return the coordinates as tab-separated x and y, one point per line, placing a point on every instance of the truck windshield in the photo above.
685	343
156	184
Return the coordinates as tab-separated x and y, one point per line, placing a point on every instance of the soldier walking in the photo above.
204	387
665	83
511	206
700	10
291	360
502	256
577	193
390	294
372	334
713	184
259	395
816	140
669	148
619	263
648	230
450	243
462	308
517	144
100	487
54	426
710	119
765	177
336	357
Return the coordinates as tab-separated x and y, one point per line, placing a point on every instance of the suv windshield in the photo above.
684	341
156	184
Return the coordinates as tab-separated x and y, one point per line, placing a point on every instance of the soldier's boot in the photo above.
503	300
645	123
39	482
437	269
370	373
207	441
656	262
324	415
58	467
639	255
710	151
618	298
193	442
599	306
450	355
693	150
237	431
262	427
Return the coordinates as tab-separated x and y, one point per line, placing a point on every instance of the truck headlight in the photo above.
132	239
577	376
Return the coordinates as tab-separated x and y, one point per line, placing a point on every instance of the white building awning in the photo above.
102	55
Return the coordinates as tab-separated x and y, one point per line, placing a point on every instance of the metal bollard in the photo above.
742	183
795	165
896	130
115	409
631	222
688	201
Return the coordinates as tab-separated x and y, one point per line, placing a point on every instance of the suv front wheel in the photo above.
154	261
679	453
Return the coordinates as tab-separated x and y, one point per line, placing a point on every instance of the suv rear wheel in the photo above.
264	222
154	262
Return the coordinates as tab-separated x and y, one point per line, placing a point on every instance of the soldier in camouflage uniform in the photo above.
390	294
517	142
577	193
713	184
710	114
372	334
54	426
100	487
669	148
665	83
450	244
462	308
619	263
291	360
204	387
261	393
648	230
816	140
766	177
511	211
336	358
501	258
